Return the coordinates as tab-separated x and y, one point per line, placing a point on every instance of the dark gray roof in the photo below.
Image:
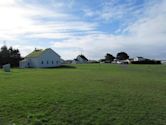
83	57
75	59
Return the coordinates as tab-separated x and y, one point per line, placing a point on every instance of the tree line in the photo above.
9	56
109	58
120	56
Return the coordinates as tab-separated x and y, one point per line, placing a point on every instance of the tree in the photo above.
11	56
109	58
4	55
122	56
4	51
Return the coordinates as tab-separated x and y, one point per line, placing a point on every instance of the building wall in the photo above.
138	59
48	59
24	63
163	61
75	62
28	63
34	62
81	60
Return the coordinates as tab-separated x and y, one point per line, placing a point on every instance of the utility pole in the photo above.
81	50
4	43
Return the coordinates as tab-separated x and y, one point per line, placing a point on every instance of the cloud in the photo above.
111	10
140	32
145	37
93	45
18	19
21	21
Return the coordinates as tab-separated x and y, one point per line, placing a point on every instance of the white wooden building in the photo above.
41	58
139	59
81	59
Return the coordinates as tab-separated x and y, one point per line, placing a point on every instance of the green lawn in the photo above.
92	94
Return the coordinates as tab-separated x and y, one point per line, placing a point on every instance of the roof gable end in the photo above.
83	57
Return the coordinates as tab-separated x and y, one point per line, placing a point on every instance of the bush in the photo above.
147	62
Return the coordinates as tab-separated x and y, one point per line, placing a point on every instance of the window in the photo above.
47	62
52	62
56	62
42	62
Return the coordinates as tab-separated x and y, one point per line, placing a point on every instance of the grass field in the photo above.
92	94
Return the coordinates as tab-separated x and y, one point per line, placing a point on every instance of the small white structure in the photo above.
139	59
75	61
6	67
127	61
116	61
40	59
81	59
163	61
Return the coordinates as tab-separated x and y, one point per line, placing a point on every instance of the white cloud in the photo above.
18	19
7	2
145	37
22	20
111	10
94	45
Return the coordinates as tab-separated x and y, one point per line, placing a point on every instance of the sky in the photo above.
89	27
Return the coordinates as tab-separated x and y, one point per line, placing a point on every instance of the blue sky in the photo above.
91	27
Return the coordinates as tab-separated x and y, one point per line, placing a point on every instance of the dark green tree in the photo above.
109	58
9	56
122	56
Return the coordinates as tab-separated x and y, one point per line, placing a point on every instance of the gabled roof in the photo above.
38	52
35	53
75	59
140	57
83	57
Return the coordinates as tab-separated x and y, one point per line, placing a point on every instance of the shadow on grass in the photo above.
62	67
